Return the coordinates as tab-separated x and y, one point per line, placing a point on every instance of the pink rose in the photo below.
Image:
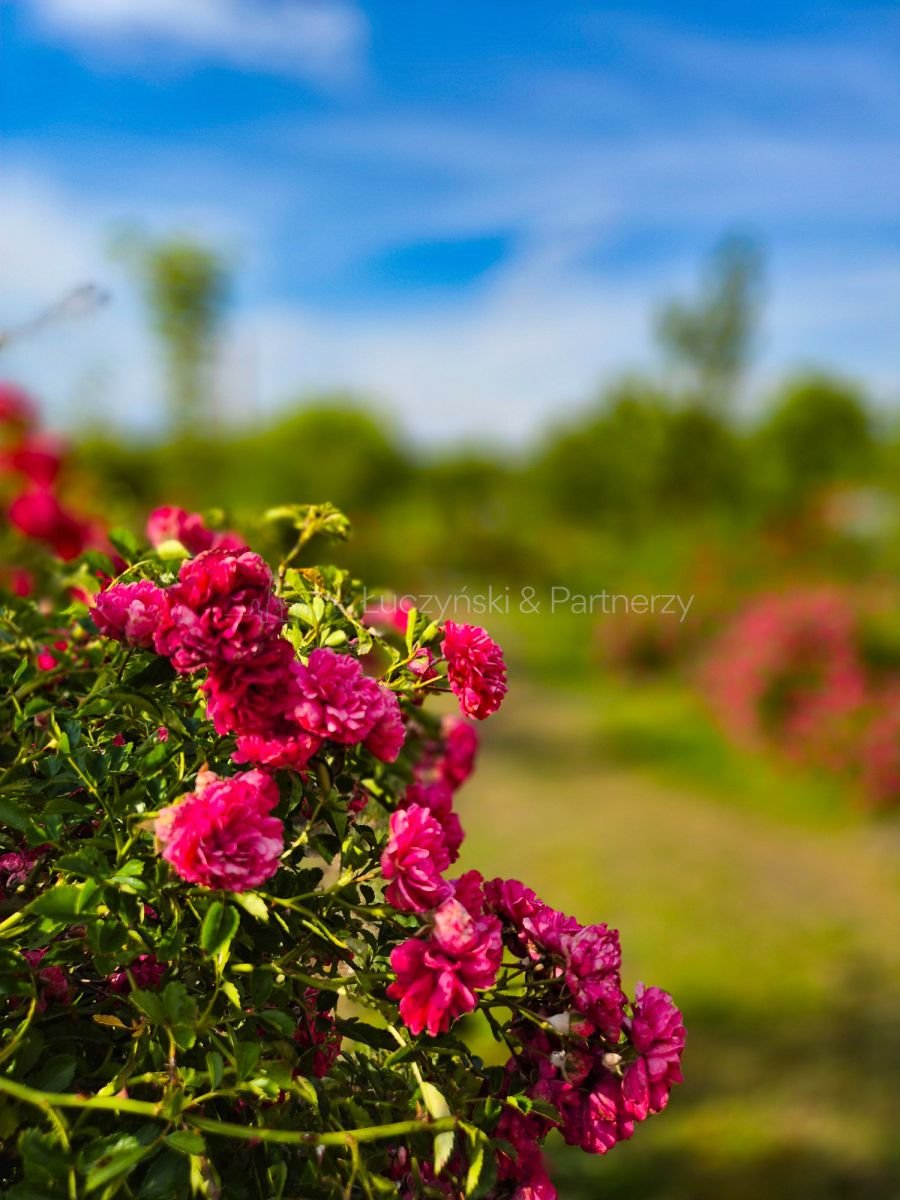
386	738
224	835
413	859
221	610
336	700
437	976
131	612
475	668
167	524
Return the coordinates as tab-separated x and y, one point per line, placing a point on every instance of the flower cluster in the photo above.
32	462
790	671
222	617
236	934
602	1062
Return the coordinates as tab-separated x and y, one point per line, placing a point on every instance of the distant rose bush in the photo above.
791	671
235	963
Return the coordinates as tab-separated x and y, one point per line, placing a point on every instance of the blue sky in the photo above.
468	211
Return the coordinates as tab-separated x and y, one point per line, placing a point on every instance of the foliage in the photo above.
208	990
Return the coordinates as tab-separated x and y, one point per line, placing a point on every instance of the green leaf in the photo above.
443	1148
476	1161
283	1022
167	1178
108	1158
252	903
62	902
13	816
150	1004
186	1142
219	926
246	1056
124	541
55	1074
215	1065
229	990
435	1101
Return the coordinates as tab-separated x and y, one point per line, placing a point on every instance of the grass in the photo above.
759	897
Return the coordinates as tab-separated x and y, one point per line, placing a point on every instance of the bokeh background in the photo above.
546	297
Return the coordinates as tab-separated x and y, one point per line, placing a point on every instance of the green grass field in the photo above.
759	897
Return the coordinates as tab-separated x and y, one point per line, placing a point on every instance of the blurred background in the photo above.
590	312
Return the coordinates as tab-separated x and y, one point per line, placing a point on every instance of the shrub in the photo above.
235	961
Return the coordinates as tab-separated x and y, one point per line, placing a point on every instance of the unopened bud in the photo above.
561	1023
611	1060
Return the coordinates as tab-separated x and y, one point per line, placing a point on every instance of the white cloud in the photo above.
322	40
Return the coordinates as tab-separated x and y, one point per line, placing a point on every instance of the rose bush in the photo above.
235	960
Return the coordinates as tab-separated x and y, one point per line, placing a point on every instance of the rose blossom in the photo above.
336	700
413	859
171	524
388	733
460	749
593	961
146	970
39	515
222	609
288	746
475	668
39	457
657	1034
437	976
438	799
223	836
131	612
255	694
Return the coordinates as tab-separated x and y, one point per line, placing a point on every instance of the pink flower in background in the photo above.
386	738
788	671
880	750
413	859
437	976
38	457
146	970
475	668
336	700
222	609
131	612
168	524
17	580
388	614
526	1171
317	1031
224	835
53	982
16	406
39	515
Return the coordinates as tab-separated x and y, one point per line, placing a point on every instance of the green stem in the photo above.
345	1137
50	1100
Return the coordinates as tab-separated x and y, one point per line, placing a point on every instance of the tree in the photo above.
710	340
186	287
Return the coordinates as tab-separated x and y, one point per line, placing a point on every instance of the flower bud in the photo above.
561	1023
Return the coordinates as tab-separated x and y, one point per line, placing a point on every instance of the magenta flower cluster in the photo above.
791	672
603	1062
